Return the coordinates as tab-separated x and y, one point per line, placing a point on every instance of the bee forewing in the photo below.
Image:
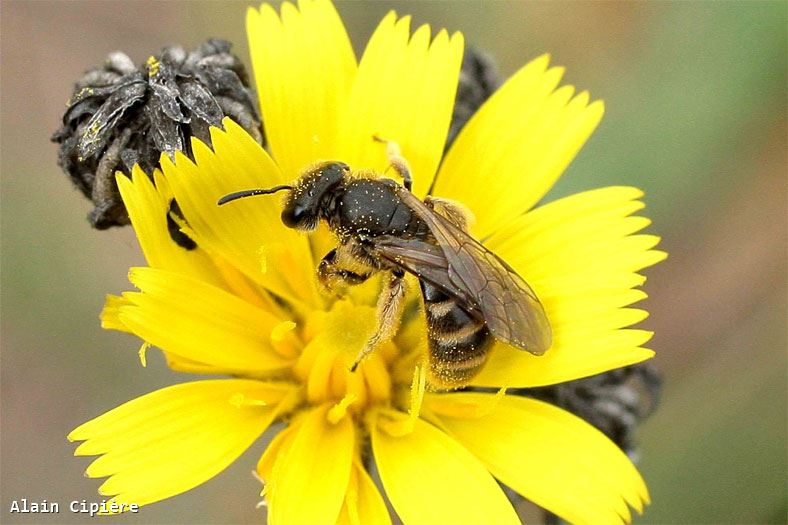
424	260
508	305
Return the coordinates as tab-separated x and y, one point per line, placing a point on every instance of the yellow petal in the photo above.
517	145
276	448
431	479
310	475
404	92
363	503
198	322
247	233
110	315
548	455
148	208
304	66
171	440
580	257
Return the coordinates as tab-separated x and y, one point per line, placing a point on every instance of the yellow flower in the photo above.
246	304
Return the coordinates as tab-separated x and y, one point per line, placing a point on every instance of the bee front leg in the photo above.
331	273
389	314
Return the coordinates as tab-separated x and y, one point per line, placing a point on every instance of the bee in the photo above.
471	296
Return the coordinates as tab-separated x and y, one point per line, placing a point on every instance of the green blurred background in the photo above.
696	115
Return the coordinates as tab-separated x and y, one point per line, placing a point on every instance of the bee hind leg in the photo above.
457	213
389	314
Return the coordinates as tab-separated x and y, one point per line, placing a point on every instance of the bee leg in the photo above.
389	314
397	161
330	273
457	213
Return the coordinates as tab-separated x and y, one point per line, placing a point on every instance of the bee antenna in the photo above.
248	193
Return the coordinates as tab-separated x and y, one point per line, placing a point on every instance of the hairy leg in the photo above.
389	314
397	161
457	213
340	267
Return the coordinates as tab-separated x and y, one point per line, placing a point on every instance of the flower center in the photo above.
335	338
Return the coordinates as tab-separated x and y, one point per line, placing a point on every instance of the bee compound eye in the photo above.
293	216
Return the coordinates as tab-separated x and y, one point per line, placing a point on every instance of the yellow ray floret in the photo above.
171	440
517	145
249	233
430	478
197	322
304	66
148	208
314	446
548	455
404	91
581	260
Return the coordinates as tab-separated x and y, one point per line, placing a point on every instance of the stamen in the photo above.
394	422
317	386
377	380
238	400
489	406
279	331
183	226
262	503
259	478
141	352
338	411
417	388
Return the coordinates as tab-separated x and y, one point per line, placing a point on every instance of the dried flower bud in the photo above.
121	115
615	402
478	80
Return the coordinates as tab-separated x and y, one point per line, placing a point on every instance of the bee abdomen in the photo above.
458	340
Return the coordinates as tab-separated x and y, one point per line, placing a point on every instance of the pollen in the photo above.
153	66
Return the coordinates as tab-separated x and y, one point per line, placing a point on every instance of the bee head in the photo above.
304	203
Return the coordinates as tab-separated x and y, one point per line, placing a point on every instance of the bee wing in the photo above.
509	306
425	260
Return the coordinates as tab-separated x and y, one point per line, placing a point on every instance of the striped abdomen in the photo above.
458	340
